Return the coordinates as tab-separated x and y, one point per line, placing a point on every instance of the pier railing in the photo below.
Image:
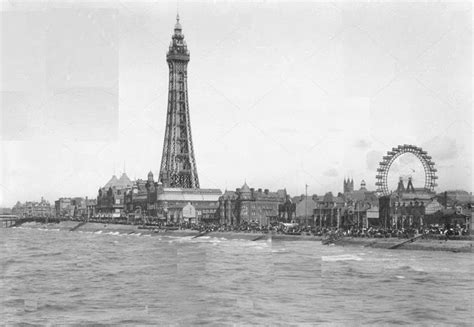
14	221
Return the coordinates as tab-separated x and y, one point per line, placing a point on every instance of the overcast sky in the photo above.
281	95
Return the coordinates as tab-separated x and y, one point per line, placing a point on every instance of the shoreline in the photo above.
465	246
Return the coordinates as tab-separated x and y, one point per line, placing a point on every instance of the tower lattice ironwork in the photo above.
178	165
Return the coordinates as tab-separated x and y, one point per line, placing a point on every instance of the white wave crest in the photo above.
342	257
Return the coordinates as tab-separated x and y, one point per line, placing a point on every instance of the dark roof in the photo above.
245	188
112	182
122	182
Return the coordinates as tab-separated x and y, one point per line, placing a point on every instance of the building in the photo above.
33	209
329	210
451	199
189	213
362	207
178	165
83	207
246	205
64	208
75	208
5	211
406	207
348	186
151	199
91	207
170	202
136	198
111	197
304	210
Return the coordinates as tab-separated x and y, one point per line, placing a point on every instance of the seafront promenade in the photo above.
454	245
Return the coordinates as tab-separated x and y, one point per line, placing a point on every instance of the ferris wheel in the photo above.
386	163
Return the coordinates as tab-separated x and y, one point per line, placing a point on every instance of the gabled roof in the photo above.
112	182
123	182
245	188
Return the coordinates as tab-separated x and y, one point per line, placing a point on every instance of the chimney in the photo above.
266	191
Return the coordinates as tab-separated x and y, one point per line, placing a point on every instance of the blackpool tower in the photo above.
178	165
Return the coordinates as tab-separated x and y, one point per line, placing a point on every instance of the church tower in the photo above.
178	165
348	186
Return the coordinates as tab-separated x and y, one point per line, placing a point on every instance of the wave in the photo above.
45	254
342	257
411	268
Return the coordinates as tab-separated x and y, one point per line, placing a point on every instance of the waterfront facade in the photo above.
352	208
329	210
247	205
405	207
33	209
77	208
362	207
111	197
304	210
63	208
153	200
171	202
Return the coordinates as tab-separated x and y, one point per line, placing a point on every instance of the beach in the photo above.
465	246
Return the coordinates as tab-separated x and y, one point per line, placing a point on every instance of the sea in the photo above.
58	277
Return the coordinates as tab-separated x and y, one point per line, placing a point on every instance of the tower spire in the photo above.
177	10
177	26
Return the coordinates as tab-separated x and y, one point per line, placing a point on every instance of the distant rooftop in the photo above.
123	182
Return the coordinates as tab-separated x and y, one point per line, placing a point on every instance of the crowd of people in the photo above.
295	229
433	231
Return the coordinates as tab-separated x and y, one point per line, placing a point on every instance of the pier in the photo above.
8	221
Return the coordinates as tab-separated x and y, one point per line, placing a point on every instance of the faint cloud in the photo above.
445	166
408	159
373	158
441	148
285	130
362	144
335	130
331	173
396	167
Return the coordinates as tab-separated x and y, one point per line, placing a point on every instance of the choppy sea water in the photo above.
61	277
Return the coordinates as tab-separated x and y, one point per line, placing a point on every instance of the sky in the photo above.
280	94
